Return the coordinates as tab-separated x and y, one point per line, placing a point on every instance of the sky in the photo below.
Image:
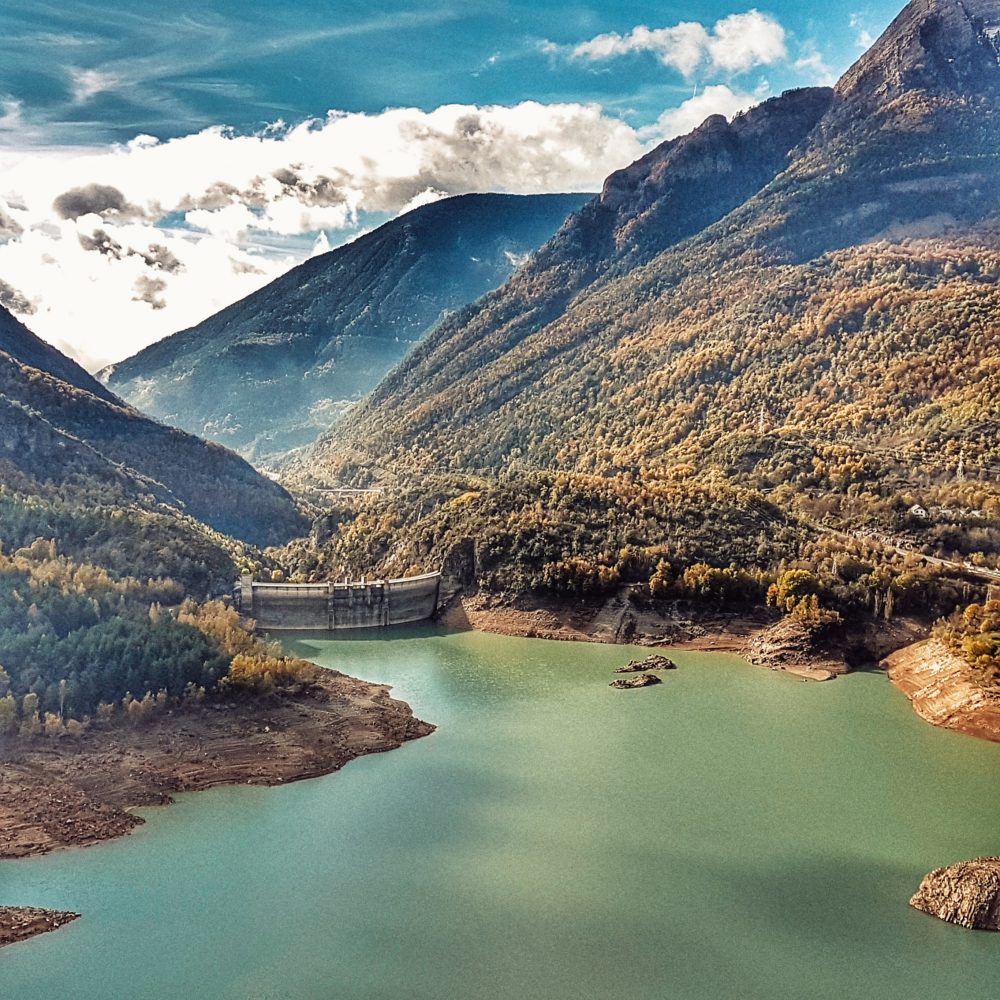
159	161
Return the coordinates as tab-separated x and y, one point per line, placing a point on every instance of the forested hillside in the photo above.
272	371
854	291
99	546
830	342
62	436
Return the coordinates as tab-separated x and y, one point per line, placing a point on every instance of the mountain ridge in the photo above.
26	347
626	343
590	245
268	372
60	433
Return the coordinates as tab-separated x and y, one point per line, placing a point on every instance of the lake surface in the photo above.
731	833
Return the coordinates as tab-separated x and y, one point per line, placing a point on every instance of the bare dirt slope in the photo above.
68	792
942	689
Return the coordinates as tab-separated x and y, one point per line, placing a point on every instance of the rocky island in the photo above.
652	662
18	923
966	894
638	681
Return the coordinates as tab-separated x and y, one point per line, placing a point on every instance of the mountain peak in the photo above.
717	149
949	46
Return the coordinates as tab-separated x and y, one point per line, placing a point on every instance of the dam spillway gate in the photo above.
334	606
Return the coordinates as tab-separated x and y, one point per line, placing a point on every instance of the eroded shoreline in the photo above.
78	791
18	923
942	690
764	639
939	684
73	792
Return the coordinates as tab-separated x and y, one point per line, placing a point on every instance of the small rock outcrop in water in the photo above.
967	894
639	681
18	923
654	662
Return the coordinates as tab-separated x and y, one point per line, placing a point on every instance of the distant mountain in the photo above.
823	271
63	436
268	373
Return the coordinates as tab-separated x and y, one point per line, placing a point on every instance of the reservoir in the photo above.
729	833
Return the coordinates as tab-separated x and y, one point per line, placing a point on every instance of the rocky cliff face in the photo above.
688	183
933	45
942	690
967	894
671	193
912	134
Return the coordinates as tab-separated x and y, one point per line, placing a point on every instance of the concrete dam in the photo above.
334	606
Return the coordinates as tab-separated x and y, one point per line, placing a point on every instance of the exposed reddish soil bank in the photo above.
942	690
765	639
18	923
70	792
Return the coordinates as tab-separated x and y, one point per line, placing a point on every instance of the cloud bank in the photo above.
111	249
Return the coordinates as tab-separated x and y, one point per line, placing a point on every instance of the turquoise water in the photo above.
732	833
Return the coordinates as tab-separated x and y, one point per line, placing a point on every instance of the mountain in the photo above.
803	391
851	300
66	438
266	374
19	343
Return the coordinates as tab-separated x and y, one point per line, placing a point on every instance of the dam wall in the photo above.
334	606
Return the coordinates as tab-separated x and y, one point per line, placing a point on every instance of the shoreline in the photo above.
618	621
78	791
19	923
762	639
942	691
89	784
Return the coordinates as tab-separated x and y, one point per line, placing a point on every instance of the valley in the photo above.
743	403
268	374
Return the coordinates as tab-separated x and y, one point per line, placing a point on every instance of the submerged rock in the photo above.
639	681
654	662
967	894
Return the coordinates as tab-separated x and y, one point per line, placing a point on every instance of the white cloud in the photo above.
811	63
87	83
742	41
682	47
715	100
865	38
735	44
151	237
321	245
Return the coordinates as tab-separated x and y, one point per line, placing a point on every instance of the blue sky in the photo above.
171	68
159	160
